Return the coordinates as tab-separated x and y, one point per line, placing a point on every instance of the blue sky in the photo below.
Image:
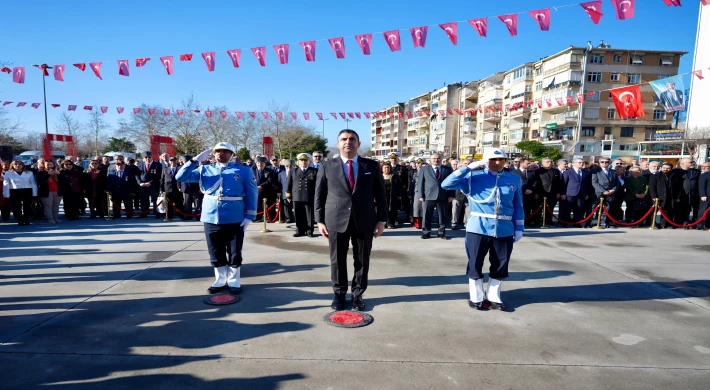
67	32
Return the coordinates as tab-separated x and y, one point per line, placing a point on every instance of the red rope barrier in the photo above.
180	212
589	217
133	212
684	226
534	213
640	221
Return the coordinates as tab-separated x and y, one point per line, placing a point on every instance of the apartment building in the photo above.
418	126
444	126
388	131
515	121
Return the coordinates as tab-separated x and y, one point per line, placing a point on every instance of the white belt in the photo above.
503	217
219	197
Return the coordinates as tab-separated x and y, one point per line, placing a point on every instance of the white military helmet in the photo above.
494	153
226	146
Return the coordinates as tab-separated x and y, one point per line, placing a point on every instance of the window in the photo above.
636	60
594	77
528	88
607	146
634	78
617	58
594	97
628	147
659	115
663	76
627	131
665	61
614	77
588	147
576	58
538	85
588	131
596	59
607	131
591	113
611	114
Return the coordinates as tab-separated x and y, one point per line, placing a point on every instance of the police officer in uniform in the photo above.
403	173
496	221
301	189
228	207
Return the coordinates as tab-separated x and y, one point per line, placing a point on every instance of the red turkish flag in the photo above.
185	57
542	16
591	93
351	115
452	30
570	100
103	109
481	25
197	111
580	98
252	114
141	61
338	46
409	114
307	116
507	107
705	2
21	104
88	108
136	110
44	69
282	53
260	53
119	110
309	49
54	105
36	105
419	35
335	116
294	115
239	115
401	114
367	115
208	113
81	66
223	114
443	113
698	73
342	115
123	69
365	43
265	115
209	60
18	75
549	102
168	64
96	67
235	55
151	111
675	3
72	107
59	72
320	115
392	38
6	70
166	111
357	115
180	112
451	112
280	115
458	111
628	101
511	22
624	8
560	101
594	10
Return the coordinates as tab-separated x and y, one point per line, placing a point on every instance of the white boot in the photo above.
233	281
494	294
475	288
220	275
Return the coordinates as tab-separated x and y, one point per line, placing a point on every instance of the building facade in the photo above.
388	129
698	121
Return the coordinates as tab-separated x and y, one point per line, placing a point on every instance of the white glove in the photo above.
205	155
478	165
518	235
245	224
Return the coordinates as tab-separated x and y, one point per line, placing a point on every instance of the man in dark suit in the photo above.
432	196
267	183
704	193
301	189
149	185
671	97
689	198
575	190
666	186
191	194
344	210
606	184
286	204
546	183
521	167
122	185
403	173
169	186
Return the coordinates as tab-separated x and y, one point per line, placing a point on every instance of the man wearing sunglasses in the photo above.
317	159
605	183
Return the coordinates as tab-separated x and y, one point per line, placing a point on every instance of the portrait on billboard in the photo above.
670	93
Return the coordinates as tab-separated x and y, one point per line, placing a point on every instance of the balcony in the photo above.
562	67
519	126
493	101
492	144
571	84
421	106
565	118
519	112
470	95
492	115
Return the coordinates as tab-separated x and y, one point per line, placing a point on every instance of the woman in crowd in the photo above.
70	187
4	202
94	189
48	190
393	188
20	186
417	207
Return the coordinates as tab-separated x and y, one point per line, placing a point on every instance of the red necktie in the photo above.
351	176
437	172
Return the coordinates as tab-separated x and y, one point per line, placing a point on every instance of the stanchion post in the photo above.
655	214
599	216
544	213
109	207
280	204
166	204
266	216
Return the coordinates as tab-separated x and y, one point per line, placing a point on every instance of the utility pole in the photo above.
44	68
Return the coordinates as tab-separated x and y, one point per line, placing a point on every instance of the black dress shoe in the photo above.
455	227
442	236
235	290
215	290
497	306
425	236
476	305
358	304
310	233
298	234
338	304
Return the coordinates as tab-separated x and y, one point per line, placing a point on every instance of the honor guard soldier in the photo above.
228	207
301	189
496	221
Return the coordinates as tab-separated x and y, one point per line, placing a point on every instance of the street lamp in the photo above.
44	68
347	123
323	120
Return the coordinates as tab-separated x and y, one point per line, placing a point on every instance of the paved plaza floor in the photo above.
98	304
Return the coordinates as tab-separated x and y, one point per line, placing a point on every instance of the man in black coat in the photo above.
521	167
286	204
546	183
576	184
344	210
170	187
689	198
149	186
301	189
122	185
403	173
191	194
666	186
267	183
432	196
704	193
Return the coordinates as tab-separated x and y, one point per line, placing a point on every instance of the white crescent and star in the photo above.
593	8
628	103
449	30
509	22
621	5
389	38
541	16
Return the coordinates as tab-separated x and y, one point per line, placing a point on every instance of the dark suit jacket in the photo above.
668	96
573	186
690	184
601	182
152	174
269	182
525	178
335	205
301	186
704	185
124	186
546	182
429	188
283	181
667	193
168	183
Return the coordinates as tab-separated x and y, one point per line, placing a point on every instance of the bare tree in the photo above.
697	140
143	125
247	134
68	125
186	128
96	127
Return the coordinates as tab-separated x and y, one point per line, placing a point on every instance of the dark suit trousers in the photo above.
304	216
701	210
287	211
339	245
575	204
528	203
127	204
429	206
148	196
608	202
683	211
176	198
189	201
224	244
498	250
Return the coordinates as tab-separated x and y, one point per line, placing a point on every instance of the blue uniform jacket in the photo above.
493	213
217	207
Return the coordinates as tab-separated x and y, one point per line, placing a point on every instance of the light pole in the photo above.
44	68
580	107
323	120
347	123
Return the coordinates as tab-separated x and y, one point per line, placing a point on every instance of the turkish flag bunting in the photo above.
480	25
260	53
338	46
209	60
123	69
136	110
507	107
6	70
141	61
282	53
335	116
223	114
168	64
580	98
628	101
342	115
458	111
280	115
197	111
367	115
307	116
119	110
376	115
44	68
409	115
451	112
235	55
96	67
594	10
698	73
208	113
21	104
265	115
239	115
365	43
72	107
185	57
401	115
560	102
624	8
419	113
309	48
357	115
18	75
252	114
294	115
442	112
675	3
542	16
88	108
392	38
452	30
351	115
510	21
419	35
166	111
570	100
151	111
180	112
54	105
320	115
81	66
705	2
36	105
591	93
486	109
549	102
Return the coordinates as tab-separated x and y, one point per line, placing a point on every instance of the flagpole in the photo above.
44	68
580	106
